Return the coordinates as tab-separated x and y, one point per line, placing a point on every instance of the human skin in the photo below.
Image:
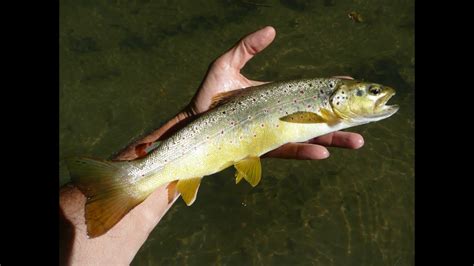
121	243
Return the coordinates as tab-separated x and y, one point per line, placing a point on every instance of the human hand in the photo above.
224	75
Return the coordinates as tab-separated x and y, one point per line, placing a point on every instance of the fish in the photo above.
240	127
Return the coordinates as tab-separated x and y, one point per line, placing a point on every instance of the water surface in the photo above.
128	66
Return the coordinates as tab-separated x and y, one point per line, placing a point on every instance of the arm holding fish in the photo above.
120	244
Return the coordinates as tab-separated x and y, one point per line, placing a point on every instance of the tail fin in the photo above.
108	190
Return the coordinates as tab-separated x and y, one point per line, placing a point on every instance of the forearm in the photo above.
120	244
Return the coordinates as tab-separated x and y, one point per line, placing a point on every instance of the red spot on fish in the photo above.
140	149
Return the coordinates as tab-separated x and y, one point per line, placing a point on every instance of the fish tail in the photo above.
110	194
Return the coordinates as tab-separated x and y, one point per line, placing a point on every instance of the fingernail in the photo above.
359	142
325	154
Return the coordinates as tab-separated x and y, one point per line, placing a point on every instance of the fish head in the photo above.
362	102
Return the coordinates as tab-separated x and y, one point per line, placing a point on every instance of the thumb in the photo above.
247	47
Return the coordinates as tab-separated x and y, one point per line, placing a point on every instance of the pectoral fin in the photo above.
311	118
303	117
250	169
188	189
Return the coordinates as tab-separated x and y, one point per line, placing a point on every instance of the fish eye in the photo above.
374	90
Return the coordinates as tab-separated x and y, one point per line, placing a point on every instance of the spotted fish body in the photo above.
237	132
248	125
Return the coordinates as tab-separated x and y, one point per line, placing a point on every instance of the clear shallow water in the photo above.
128	66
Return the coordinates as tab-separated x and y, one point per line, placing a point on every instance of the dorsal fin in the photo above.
224	97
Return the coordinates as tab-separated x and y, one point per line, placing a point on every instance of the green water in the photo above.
128	66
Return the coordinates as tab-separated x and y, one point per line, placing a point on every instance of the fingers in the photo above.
247	47
299	151
340	139
314	149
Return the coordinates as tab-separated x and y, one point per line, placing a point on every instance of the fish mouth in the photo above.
381	109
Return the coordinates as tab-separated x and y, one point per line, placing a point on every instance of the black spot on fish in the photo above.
337	103
249	117
254	135
295	101
311	85
262	125
331	85
223	112
253	99
342	92
301	91
309	106
222	132
240	102
321	91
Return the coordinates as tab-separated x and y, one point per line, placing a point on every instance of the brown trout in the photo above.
241	126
